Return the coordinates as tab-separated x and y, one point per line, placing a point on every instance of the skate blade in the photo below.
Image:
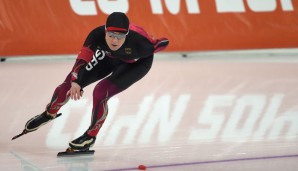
21	134
73	153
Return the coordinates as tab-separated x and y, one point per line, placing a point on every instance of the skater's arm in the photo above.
84	57
86	53
75	91
79	65
146	44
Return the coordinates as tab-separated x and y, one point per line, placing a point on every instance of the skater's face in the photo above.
115	39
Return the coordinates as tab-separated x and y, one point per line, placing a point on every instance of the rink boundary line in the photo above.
255	55
211	162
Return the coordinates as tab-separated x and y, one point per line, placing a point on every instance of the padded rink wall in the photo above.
43	27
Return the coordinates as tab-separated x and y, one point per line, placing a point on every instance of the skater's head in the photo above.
117	22
117	28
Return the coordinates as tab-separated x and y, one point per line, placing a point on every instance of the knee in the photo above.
104	89
99	93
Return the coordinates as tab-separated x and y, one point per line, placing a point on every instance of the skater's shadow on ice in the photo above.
76	163
25	164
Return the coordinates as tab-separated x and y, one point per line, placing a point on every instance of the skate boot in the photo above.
82	143
36	122
39	120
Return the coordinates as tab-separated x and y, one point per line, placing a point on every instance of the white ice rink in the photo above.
220	111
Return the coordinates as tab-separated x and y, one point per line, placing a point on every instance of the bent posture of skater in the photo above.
118	54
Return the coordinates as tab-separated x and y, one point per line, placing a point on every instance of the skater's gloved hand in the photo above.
75	92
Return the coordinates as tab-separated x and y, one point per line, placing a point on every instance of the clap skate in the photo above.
36	122
79	146
70	152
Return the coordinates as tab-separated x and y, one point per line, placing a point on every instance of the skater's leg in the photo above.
123	77
58	100
59	97
102	91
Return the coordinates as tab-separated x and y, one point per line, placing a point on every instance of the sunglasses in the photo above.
119	36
